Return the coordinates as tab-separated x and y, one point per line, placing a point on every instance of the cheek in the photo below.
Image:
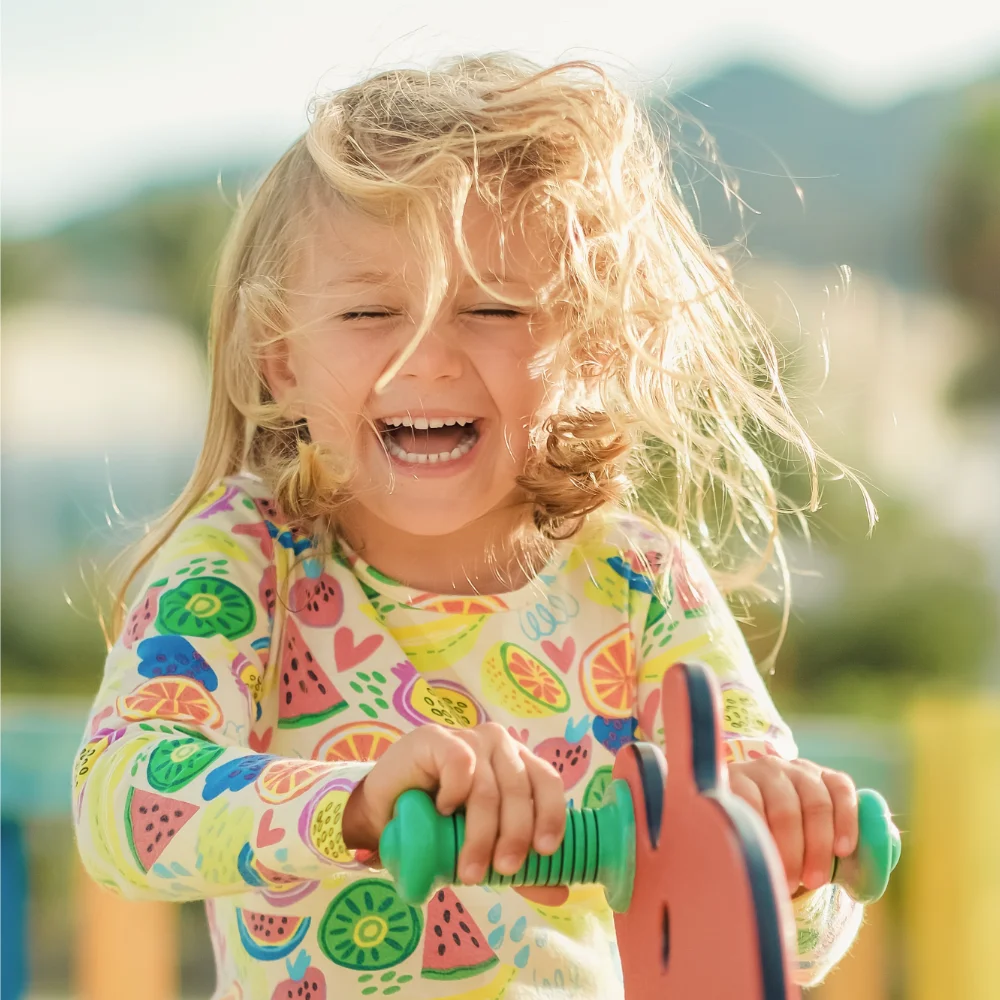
336	379
518	384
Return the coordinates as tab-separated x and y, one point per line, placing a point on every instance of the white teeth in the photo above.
418	458
425	423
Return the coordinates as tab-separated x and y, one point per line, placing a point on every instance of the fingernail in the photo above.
548	843
508	864
843	845
473	874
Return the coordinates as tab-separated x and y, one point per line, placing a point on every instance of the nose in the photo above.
434	357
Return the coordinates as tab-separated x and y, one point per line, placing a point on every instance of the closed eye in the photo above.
499	313
368	314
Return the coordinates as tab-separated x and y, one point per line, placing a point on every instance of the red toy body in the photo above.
710	917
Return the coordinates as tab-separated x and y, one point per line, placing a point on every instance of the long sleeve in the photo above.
694	622
174	796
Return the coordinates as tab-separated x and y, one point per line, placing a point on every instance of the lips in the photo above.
428	440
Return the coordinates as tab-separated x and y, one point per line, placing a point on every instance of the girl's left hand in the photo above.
811	811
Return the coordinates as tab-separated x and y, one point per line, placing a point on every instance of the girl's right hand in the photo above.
513	800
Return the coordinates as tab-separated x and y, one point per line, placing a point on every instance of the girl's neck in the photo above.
497	554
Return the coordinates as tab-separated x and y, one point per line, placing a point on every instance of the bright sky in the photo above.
102	95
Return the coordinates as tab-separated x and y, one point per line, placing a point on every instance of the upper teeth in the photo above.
425	423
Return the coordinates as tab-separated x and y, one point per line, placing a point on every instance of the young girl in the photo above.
451	327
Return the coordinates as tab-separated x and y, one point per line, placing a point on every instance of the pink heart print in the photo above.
562	656
267	834
349	655
259	744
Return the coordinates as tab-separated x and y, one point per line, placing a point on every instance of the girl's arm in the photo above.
174	794
694	622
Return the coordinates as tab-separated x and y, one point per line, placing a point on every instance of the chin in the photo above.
428	519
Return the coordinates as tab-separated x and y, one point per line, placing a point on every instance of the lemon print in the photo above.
585	908
440	642
493	990
104	816
522	684
652	671
221	836
202	539
605	586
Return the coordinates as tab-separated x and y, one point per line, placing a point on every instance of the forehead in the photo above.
348	246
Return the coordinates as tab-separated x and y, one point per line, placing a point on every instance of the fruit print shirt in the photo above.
256	681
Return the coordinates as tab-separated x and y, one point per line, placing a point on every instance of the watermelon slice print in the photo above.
307	693
153	822
454	946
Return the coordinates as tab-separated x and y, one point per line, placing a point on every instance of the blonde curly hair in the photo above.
667	376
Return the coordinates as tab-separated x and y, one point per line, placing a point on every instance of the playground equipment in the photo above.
690	870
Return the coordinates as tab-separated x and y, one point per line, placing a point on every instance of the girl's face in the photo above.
442	444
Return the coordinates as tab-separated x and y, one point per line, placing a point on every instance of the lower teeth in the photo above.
419	458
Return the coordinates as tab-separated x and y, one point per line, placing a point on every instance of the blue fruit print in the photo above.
173	655
614	733
636	580
235	774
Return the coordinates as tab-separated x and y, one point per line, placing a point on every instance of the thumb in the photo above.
430	759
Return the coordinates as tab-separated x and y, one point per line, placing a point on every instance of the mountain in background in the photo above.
866	177
867	180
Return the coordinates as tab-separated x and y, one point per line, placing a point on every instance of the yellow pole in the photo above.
862	974
124	949
950	848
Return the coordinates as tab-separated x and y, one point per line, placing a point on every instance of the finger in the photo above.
817	825
784	819
482	815
454	762
549	796
845	811
431	759
554	895
747	789
517	807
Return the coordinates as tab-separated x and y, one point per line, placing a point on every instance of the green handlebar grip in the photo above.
420	848
864	874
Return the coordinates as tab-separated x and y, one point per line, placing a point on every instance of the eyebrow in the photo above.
375	277
362	278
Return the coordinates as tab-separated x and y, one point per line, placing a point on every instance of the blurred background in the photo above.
865	143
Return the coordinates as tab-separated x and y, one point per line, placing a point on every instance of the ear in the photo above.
277	370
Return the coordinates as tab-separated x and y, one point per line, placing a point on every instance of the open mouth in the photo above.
430	440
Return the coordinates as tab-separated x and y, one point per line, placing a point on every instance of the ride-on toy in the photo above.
690	870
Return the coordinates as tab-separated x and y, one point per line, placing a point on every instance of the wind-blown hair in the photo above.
661	367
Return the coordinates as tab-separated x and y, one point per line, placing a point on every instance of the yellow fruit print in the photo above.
85	760
445	707
254	680
435	644
493	990
221	835
741	713
585	907
212	496
104	827
604	586
202	539
520	683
